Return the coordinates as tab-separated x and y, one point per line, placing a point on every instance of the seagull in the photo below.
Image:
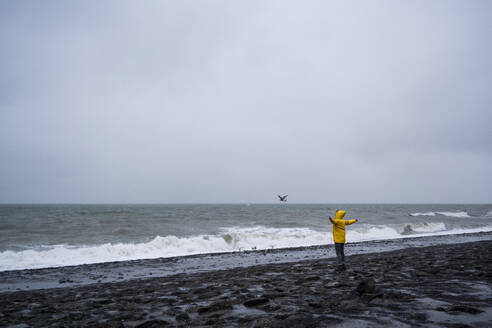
283	198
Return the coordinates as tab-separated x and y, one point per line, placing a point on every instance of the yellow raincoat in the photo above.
339	226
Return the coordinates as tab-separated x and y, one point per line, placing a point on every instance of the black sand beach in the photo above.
447	285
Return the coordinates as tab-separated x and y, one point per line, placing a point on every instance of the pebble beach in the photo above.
447	285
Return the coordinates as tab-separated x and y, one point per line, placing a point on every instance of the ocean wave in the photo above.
228	239
459	214
423	214
378	232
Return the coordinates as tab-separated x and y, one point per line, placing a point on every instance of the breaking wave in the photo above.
459	214
423	214
229	239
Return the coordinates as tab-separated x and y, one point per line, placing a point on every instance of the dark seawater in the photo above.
34	236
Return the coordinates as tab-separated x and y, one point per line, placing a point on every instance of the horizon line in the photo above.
240	203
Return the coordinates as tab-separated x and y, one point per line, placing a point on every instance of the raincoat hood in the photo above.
339	226
339	215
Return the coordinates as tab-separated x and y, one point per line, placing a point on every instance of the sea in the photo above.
41	236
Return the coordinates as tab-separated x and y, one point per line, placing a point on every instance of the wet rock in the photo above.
315	304
368	297
420	274
466	309
265	322
298	320
350	304
201	290
272	296
311	278
47	309
271	307
392	294
113	324
434	270
216	306
183	317
103	301
414	316
65	280
456	309
332	284
366	286
211	322
153	324
380	301
256	301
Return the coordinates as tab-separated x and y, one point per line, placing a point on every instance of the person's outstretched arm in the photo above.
349	222
332	220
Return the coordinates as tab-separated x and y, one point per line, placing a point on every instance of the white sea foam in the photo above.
459	214
428	226
227	240
379	232
423	214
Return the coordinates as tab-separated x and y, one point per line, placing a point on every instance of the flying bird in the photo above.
283	198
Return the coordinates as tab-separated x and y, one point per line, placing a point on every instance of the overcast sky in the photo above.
238	101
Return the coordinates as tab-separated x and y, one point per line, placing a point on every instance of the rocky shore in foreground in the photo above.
436	286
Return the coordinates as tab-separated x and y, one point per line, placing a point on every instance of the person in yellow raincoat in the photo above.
339	235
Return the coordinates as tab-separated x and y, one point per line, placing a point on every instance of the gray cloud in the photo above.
219	101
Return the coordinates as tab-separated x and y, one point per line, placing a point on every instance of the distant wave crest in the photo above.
423	214
459	214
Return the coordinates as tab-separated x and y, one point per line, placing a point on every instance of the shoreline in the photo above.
107	272
444	285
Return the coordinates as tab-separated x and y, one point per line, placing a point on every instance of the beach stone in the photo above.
281	316
272	296
299	320
315	304
368	297
201	290
102	301
455	309
398	295
20	325
420	273
113	324
414	316
183	317
350	305
153	324
65	280
311	278
265	322
366	286
256	301
434	270
211	322
216	306
269	307
332	284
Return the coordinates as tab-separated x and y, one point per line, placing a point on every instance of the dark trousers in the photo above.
340	253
